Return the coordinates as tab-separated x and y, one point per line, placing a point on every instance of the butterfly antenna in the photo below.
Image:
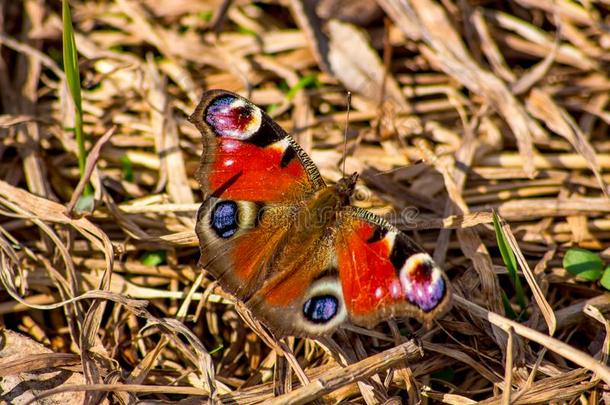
349	104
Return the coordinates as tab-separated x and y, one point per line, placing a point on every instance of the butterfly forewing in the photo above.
247	156
384	273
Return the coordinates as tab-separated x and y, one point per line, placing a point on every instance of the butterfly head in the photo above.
346	186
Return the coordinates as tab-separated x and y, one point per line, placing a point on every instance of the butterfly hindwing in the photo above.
305	299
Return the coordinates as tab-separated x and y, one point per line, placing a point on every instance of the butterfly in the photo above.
291	247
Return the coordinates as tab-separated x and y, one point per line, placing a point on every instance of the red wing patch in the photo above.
368	278
249	172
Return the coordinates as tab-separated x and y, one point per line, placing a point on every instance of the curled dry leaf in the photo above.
31	368
359	12
354	62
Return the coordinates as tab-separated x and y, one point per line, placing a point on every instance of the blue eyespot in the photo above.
321	308
223	219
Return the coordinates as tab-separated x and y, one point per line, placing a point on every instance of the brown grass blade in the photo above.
445	50
339	377
544	108
552	344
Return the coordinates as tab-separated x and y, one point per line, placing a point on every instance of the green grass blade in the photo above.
305	81
508	309
154	258
70	56
127	169
508	256
216	349
73	78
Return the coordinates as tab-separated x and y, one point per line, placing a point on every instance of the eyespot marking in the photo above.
422	282
321	308
233	117
223	219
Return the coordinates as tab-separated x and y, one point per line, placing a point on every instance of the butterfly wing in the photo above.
251	174
246	155
384	273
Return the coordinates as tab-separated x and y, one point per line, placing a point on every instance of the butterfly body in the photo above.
292	248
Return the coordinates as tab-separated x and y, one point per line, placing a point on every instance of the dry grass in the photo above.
458	109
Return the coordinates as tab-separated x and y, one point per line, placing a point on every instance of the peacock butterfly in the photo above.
289	246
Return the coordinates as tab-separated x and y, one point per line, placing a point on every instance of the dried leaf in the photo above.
358	66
